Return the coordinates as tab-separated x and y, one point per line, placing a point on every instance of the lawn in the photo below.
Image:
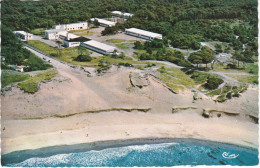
9	77
31	85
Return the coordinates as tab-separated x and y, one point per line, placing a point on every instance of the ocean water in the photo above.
163	154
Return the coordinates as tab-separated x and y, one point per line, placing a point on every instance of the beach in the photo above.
74	109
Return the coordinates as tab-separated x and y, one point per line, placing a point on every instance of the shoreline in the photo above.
20	156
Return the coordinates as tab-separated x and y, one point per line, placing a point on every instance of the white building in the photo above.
121	14
147	35
54	34
103	22
99	47
72	26
24	36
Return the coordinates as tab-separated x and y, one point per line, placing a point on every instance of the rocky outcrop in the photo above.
138	80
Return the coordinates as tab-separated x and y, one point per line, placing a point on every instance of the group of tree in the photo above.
203	56
15	54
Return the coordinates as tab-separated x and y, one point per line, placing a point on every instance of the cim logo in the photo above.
227	156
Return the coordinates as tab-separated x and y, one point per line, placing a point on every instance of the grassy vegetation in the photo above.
39	31
175	78
247	68
245	79
76	31
32	85
123	45
9	77
44	47
116	40
87	33
69	55
227	92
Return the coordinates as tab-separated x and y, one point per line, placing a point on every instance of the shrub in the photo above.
213	82
84	58
231	66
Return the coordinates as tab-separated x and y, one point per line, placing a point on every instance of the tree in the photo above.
238	56
207	55
195	58
138	45
96	23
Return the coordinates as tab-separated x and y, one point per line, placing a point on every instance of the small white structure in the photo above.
54	34
72	26
17	68
103	22
24	36
99	47
147	35
121	14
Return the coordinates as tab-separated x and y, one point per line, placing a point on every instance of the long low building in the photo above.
103	22
24	36
147	35
72	26
54	34
99	47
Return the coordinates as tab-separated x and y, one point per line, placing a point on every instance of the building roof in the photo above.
23	33
79	39
121	13
72	23
103	21
144	32
100	46
54	30
116	12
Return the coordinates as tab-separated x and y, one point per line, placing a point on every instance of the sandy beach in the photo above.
73	109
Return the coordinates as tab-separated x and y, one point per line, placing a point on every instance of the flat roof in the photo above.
72	23
103	21
55	30
143	32
23	32
121	13
79	39
100	45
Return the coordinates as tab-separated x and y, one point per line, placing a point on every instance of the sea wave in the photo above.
163	154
